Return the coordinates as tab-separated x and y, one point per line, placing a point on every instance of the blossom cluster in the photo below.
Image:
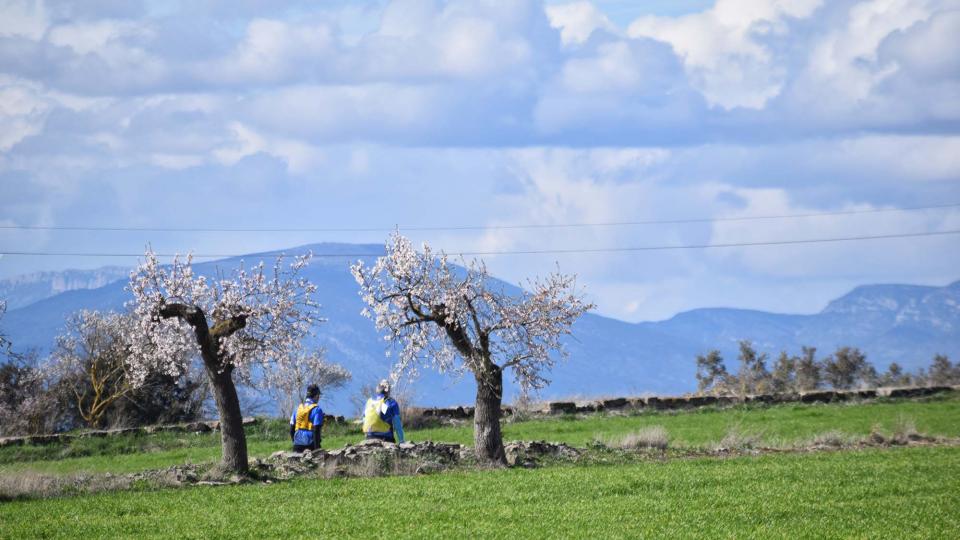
436	313
269	312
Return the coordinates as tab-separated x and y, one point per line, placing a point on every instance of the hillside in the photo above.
902	323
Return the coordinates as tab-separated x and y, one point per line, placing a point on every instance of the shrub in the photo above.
736	439
655	437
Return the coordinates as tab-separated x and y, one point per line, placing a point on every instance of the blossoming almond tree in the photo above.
458	320
251	319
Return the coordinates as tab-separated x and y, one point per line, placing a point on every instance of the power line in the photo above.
466	227
518	252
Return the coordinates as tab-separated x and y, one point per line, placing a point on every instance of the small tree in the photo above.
712	374
847	367
753	376
287	382
92	355
942	372
895	376
808	370
783	377
249	319
436	314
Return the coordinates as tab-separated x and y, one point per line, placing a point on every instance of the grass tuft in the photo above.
655	437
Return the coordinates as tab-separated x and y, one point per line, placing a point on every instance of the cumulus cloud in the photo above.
577	21
474	112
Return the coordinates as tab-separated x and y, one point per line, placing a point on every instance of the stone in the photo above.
562	407
429	467
616	403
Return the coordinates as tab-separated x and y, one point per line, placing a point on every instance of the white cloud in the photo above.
275	51
24	18
22	112
577	21
723	48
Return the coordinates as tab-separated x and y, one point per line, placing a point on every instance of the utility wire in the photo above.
519	252
468	227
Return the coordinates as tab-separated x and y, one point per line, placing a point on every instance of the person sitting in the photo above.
381	417
306	422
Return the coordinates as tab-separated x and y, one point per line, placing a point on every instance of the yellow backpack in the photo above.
303	416
372	421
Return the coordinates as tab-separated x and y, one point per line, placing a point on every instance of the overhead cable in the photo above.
92	228
514	252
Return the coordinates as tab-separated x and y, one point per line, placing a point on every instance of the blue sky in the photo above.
428	113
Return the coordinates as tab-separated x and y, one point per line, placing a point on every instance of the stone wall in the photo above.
692	402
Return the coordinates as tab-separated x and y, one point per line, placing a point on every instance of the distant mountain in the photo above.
903	323
24	290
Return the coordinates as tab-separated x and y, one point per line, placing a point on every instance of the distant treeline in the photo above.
845	369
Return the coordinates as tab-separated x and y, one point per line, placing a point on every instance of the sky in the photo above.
413	114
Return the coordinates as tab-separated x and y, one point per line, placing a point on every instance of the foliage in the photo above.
436	315
235	324
257	317
809	375
753	377
286	383
91	355
712	374
912	492
848	367
784	375
31	401
461	322
942	372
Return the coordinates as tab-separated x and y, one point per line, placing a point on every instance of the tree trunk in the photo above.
487	438
232	437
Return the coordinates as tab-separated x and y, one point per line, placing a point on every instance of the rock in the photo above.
429	467
11	441
407	446
616	403
518	452
197	427
562	407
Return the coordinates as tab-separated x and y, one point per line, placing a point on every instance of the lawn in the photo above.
897	493
775	425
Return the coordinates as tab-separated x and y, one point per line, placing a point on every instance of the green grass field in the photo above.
891	493
780	425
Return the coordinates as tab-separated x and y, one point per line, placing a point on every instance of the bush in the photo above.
655	437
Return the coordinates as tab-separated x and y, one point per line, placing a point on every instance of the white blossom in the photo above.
272	309
451	319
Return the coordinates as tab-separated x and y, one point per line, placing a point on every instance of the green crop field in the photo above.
780	425
891	493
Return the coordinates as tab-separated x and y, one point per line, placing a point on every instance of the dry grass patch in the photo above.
651	437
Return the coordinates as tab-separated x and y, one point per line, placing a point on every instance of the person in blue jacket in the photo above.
306	422
381	416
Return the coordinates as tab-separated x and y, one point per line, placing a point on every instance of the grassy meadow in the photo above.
777	425
890	493
899	492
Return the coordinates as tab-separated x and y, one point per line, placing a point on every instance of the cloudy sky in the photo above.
368	115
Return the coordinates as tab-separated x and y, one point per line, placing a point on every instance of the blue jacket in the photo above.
304	437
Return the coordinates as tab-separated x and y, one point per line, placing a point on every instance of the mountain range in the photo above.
903	323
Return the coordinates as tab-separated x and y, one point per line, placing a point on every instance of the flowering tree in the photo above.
93	353
286	382
457	320
248	320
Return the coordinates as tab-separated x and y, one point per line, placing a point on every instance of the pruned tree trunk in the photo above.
487	438
232	437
